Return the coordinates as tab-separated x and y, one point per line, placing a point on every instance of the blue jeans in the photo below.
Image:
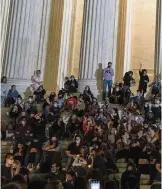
32	158
109	84
2	100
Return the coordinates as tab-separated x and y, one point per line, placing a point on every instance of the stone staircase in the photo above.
122	166
6	147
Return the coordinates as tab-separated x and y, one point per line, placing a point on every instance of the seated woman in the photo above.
50	100
16	167
139	99
80	163
39	94
30	106
19	152
116	94
11	96
147	161
156	86
67	83
87	94
22	130
33	154
130	178
123	146
60	100
36	81
73	85
16	109
49	151
3	89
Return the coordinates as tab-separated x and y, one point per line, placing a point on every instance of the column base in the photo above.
21	85
95	86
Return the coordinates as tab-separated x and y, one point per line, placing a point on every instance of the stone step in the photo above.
145	186
145	177
121	161
121	165
121	169
6	142
144	182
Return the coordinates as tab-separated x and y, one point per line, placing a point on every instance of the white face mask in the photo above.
55	105
30	100
158	102
23	123
19	101
77	141
146	105
117	88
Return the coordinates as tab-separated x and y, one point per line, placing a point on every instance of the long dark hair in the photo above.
4	77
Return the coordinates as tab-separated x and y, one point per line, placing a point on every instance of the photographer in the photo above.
108	74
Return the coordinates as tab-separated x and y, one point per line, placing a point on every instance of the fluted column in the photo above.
27	41
65	42
128	37
5	12
121	41
99	41
158	41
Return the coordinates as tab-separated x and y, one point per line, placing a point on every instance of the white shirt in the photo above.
3	89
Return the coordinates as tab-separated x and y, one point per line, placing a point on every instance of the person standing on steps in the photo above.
144	79
108	74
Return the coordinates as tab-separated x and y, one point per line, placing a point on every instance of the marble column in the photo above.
158	40
27	41
128	39
65	43
99	42
5	21
121	41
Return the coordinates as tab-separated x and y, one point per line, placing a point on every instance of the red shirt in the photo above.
71	101
85	129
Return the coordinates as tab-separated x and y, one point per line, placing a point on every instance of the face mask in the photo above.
117	88
86	88
144	73
77	141
109	66
148	150
60	97
30	100
35	140
138	94
19	101
146	105
23	123
55	105
72	78
14	169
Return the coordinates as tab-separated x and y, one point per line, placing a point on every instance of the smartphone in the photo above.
95	184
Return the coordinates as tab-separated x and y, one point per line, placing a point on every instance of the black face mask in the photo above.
14	169
148	150
60	97
109	66
52	97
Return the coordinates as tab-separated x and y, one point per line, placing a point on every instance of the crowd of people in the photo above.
99	135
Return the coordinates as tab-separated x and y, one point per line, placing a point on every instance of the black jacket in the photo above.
130	180
127	79
73	86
